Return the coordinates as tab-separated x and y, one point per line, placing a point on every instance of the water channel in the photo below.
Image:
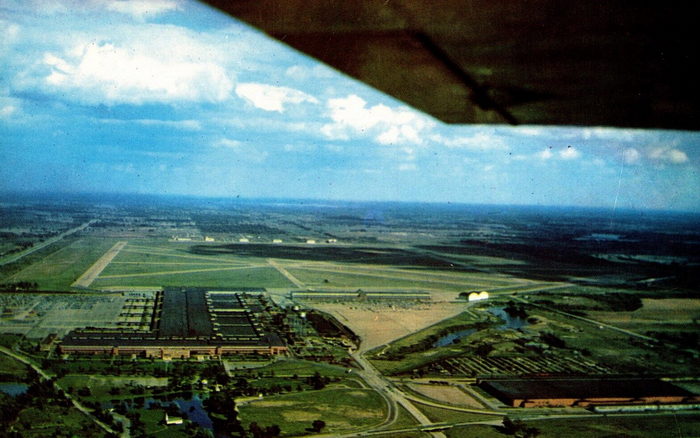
509	322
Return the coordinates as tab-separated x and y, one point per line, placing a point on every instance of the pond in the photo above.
191	407
509	322
13	389
452	337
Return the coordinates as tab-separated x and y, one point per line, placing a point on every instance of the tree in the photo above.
318	425
273	431
255	430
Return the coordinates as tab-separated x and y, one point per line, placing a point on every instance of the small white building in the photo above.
170	421
276	240
478	296
311	241
244	240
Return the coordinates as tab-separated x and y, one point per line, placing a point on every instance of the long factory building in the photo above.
186	322
560	392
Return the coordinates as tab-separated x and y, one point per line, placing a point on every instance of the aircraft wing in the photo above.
584	62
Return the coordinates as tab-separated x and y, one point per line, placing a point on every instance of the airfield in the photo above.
382	338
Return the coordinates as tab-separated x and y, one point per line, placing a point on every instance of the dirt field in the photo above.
447	394
379	324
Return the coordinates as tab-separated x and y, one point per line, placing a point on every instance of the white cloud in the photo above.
570	153
668	155
302	73
406	167
8	34
299	147
187	125
142	8
125	168
614	134
105	73
545	154
631	156
7	111
479	142
228	143
351	116
529	131
271	97
243	151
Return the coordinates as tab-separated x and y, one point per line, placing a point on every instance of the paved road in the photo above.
286	273
375	380
46	243
453	407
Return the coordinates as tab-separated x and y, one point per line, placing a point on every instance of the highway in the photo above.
395	397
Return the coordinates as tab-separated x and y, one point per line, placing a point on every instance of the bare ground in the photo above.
379	324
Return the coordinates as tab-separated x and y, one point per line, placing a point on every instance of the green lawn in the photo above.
376	278
154	419
341	409
247	277
302	368
12	369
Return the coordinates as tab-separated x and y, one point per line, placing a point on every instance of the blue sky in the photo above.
171	97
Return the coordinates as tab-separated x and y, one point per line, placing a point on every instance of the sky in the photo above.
172	97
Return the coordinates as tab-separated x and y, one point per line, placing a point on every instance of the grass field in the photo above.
356	275
341	409
302	368
59	269
12	369
653	426
49	420
160	263
655	313
154	427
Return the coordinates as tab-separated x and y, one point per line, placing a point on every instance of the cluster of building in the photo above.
360	295
185	323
